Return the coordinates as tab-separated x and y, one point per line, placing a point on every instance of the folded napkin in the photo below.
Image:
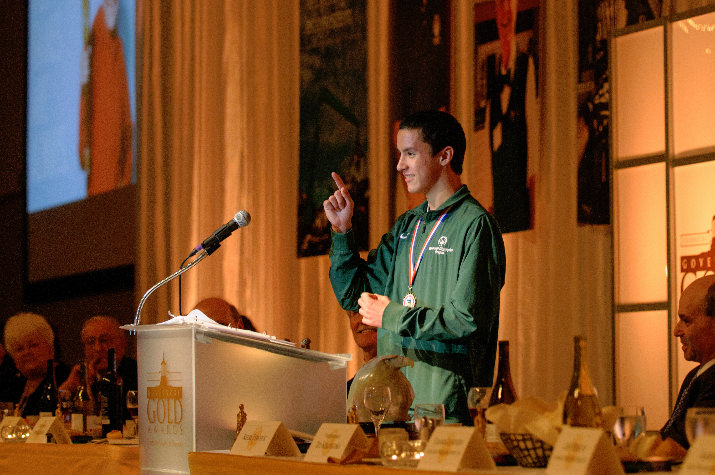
529	415
358	455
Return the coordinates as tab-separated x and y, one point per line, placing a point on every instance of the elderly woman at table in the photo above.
29	340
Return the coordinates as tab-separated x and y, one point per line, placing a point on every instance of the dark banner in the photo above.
333	117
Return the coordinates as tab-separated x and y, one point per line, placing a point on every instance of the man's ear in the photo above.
445	155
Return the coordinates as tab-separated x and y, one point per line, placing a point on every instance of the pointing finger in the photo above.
338	180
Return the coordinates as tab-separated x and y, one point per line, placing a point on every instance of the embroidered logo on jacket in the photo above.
440	248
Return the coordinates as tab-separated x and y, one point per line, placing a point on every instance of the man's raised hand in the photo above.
339	207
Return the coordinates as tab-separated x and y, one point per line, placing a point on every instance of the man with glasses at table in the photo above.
99	334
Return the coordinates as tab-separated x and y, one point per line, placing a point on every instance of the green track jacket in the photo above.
452	332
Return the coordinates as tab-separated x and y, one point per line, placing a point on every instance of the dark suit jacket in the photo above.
13	382
701	394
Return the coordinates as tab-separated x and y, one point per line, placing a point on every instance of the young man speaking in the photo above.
432	285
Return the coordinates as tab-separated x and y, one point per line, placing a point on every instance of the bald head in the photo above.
696	320
700	293
221	312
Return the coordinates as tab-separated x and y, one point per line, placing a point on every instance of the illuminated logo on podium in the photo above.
165	408
696	265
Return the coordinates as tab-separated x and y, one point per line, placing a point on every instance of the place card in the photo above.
8	421
701	457
49	425
259	438
583	451
337	441
452	448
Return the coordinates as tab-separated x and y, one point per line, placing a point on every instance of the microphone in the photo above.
211	243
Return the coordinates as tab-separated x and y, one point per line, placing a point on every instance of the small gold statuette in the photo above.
241	418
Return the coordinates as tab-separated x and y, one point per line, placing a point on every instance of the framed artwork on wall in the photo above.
596	20
506	105
333	117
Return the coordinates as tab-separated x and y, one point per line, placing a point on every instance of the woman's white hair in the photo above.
20	326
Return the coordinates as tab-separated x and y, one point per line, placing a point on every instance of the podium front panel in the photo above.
192	383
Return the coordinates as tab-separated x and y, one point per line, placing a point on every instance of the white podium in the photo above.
193	377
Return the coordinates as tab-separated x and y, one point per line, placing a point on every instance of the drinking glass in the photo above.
17	433
402	453
477	401
699	421
133	408
377	400
630	423
427	418
65	402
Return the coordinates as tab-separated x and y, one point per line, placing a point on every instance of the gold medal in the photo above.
409	300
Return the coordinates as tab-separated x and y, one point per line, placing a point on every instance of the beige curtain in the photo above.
219	133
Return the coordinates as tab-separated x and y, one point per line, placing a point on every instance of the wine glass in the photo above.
630	423
699	421
427	418
133	408
377	400
477	404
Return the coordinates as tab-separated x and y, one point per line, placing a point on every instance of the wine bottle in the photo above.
503	391
581	408
48	397
108	394
83	417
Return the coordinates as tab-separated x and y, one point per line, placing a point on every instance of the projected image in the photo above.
81	134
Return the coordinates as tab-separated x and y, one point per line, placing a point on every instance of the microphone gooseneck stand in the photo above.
137	317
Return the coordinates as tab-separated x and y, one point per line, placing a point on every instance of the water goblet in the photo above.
630	423
16	433
427	418
133	408
699	421
377	398
477	405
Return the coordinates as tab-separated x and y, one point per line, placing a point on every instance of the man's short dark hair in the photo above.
439	130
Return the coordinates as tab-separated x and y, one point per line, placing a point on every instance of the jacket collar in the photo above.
421	211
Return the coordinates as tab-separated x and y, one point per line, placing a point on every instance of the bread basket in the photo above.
528	450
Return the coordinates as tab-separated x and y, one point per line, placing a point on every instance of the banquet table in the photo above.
214	463
205	463
77	459
80	459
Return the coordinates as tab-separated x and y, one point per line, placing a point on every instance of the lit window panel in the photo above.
642	364
640	235
693	85
639	94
